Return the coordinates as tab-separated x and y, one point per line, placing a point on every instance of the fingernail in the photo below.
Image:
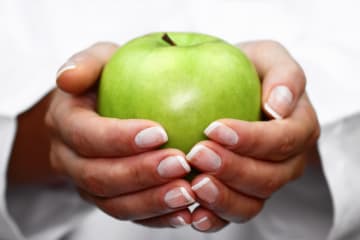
204	158
202	224
177	222
178	197
173	166
222	133
151	137
206	190
279	102
65	67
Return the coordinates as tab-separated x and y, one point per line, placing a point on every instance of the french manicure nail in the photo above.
202	224
222	133
173	166
65	67
206	190
151	137
279	102
204	158
177	222
178	197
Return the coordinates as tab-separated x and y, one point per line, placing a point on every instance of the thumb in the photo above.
283	80
83	69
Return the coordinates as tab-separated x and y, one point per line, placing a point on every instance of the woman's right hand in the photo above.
114	163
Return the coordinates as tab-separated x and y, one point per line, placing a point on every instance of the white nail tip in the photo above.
200	184
224	134
198	222
272	112
163	134
66	67
211	127
150	137
194	151
178	222
170	164
186	195
183	163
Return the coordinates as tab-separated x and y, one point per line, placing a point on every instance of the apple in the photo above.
184	81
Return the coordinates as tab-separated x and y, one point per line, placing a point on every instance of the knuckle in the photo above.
118	209
269	187
270	44
53	161
49	118
235	172
49	121
286	145
112	135
92	181
103	44
253	139
254	208
264	47
294	71
78	140
139	177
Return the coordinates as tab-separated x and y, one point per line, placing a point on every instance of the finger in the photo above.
283	80
270	140
74	120
109	177
83	69
177	219
149	203
223	201
252	177
205	220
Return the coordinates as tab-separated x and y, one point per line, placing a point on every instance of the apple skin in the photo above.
183	87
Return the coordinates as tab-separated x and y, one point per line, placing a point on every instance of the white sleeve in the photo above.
334	90
8	229
339	149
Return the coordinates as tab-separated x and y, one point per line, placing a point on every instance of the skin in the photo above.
100	156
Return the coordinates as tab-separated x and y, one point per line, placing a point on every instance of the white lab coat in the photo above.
323	35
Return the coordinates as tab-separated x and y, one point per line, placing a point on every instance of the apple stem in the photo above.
167	39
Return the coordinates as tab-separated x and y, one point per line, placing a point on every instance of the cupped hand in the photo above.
114	163
244	163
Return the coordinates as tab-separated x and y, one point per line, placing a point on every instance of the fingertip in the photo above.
202	224
221	133
279	103
66	83
103	50
78	74
206	190
205	221
62	75
177	195
83	69
69	65
180	220
151	137
271	112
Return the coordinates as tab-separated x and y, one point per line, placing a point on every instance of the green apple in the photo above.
184	81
